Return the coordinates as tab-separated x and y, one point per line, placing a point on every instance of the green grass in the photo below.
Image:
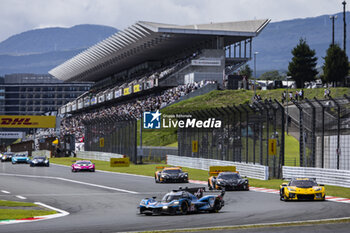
194	174
10	214
15	203
291	151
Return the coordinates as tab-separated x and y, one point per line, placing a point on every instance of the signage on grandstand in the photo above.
137	88
152	120
127	91
203	62
117	93
12	135
7	121
93	100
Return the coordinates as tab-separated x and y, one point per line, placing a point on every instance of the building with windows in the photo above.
36	94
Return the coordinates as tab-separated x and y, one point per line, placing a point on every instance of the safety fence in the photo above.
323	130
245	169
322	175
112	134
244	136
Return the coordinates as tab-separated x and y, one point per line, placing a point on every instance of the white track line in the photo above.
4	191
21	197
72	181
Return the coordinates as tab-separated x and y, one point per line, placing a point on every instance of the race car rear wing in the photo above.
215	170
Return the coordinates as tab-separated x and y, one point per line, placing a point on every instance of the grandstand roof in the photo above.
148	41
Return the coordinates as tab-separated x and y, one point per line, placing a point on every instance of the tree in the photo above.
302	68
336	65
271	75
246	71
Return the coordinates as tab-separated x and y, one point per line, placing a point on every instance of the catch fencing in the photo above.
322	175
243	137
323	130
250	170
112	134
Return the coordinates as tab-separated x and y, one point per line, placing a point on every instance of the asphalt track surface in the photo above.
107	202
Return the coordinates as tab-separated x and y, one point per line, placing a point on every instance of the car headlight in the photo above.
143	203
291	189
165	207
34	161
46	161
162	176
317	188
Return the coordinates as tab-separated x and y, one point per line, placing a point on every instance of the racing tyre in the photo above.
74	170
156	180
209	186
92	170
184	208
216	207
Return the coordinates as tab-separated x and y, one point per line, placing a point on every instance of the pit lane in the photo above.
100	209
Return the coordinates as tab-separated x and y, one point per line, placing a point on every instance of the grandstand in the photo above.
150	65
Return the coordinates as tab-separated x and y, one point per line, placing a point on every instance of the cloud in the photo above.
23	15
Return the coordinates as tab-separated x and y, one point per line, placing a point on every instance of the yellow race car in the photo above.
302	189
170	174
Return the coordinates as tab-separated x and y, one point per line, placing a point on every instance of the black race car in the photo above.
228	181
7	156
40	161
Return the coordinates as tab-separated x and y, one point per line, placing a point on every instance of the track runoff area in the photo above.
107	202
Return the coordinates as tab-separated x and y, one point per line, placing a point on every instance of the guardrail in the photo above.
104	156
245	169
322	175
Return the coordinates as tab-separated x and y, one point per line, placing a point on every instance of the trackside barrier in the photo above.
104	156
245	169
323	176
46	153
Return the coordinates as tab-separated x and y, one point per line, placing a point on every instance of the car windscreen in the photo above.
83	162
170	197
173	171
39	157
229	176
303	183
20	155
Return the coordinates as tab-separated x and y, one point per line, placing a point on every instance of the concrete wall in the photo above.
323	176
104	156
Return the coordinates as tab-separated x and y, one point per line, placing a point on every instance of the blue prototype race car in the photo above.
183	201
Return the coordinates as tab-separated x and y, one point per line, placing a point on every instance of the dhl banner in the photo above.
120	162
7	121
137	88
127	91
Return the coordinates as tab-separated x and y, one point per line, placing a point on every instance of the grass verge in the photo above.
194	174
11	214
15	203
21	210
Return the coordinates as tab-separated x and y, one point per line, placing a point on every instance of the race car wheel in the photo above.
184	208
156	180
92	170
216	207
74	170
209	186
142	209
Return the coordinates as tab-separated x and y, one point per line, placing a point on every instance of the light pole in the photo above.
344	22
255	53
287	96
333	17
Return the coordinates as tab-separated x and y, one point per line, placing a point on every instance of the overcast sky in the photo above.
17	16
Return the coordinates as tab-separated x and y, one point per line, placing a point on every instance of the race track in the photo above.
107	202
